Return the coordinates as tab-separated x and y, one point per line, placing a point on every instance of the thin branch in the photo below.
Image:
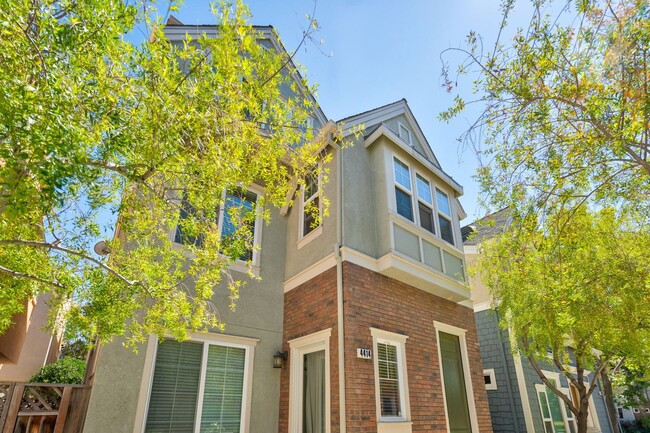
18	274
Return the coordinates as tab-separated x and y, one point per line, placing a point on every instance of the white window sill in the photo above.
394	426
312	235
237	266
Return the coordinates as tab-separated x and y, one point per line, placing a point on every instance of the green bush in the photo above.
65	371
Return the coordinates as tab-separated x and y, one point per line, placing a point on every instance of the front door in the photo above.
454	380
313	401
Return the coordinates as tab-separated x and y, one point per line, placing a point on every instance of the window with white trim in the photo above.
403	190
404	133
238	209
311	209
390	376
444	217
199	387
490	379
425	203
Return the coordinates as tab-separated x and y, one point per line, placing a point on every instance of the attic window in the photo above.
404	133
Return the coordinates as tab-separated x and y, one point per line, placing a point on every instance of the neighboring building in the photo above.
519	401
371	306
27	345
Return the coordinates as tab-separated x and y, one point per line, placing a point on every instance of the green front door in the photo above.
454	379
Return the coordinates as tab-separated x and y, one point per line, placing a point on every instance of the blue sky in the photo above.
379	51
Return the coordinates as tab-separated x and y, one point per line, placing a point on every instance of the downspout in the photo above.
339	287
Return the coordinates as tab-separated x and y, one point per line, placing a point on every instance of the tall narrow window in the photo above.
425	203
390	376
444	216
311	201
403	189
551	408
404	133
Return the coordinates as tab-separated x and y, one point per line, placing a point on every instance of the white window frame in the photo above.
401	127
415	199
469	390
399	341
316	231
410	192
248	344
592	419
442	214
489	372
299	347
239	265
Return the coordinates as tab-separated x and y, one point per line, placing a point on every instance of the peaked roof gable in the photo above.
175	30
373	118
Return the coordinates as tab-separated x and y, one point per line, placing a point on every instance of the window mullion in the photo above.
199	402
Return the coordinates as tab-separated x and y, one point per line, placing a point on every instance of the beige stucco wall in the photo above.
258	315
28	345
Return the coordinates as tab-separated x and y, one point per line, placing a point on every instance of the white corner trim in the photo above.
355	257
312	271
523	393
311	338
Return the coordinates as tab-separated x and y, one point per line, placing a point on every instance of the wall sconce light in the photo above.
278	359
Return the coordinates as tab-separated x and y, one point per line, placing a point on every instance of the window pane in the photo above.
556	411
388	380
310	212
424	189
426	217
182	236
446	232
403	201
224	387
311	185
174	390
443	202
402	175
237	210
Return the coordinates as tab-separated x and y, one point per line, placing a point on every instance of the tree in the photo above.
574	295
564	118
565	112
92	124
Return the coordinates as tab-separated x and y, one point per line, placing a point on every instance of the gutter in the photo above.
339	288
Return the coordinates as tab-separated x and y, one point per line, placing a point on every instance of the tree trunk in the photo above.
609	402
581	418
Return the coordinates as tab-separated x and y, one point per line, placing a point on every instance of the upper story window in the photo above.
444	217
403	189
404	133
237	210
311	212
422	196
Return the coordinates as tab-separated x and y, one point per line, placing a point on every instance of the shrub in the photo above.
65	371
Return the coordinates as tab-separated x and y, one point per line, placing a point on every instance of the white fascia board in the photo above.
387	132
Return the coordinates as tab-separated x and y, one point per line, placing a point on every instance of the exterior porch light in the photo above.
278	359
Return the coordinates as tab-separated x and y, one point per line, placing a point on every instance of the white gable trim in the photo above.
379	115
384	130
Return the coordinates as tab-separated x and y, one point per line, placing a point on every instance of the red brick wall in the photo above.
309	308
373	300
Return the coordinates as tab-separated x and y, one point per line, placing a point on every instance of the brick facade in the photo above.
374	300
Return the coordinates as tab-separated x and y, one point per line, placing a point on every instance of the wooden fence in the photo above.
42	407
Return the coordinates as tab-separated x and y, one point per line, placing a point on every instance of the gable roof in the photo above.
175	30
386	112
487	227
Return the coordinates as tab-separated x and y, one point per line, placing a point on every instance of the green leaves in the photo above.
93	126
